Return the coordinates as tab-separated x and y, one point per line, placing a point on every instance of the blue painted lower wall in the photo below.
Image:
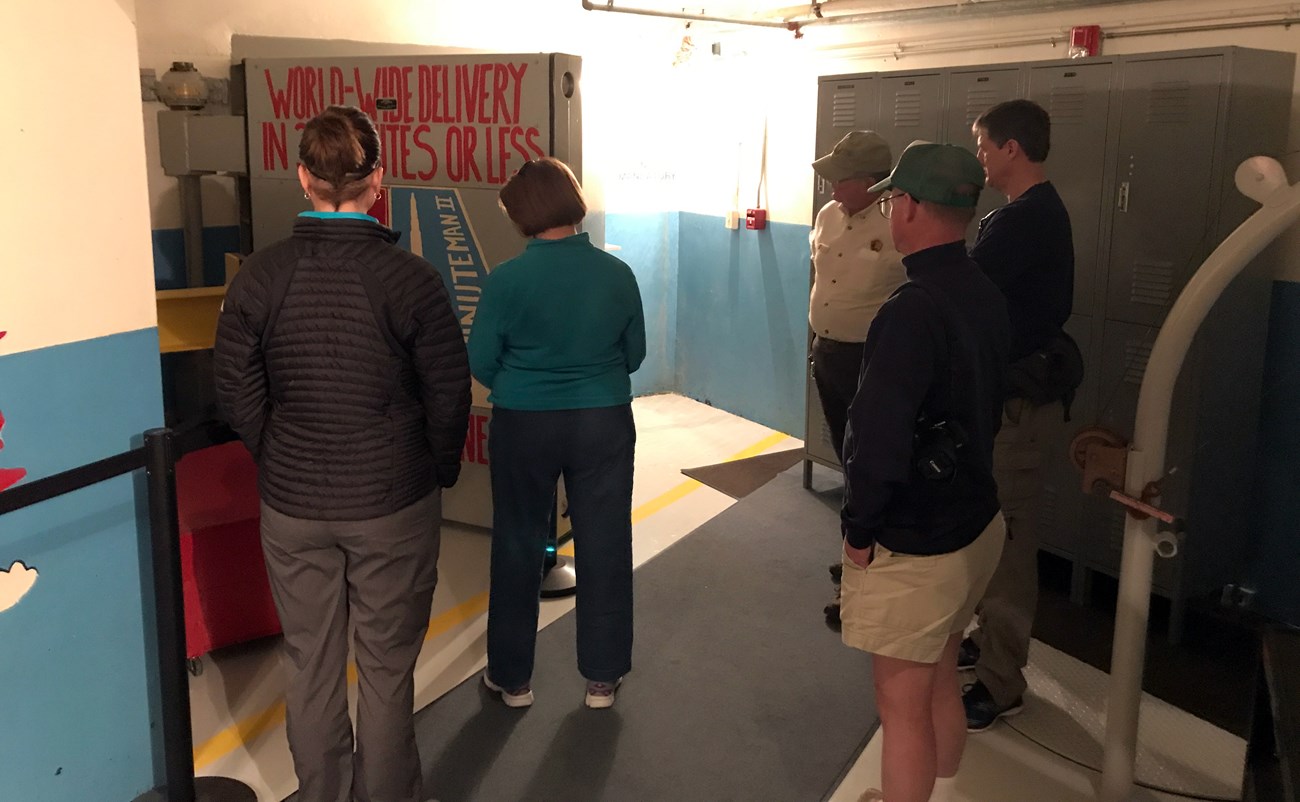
742	319
726	311
649	244
169	255
74	672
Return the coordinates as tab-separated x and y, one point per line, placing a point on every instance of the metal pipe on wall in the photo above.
192	228
1285	22
814	13
910	12
647	12
898	49
954	11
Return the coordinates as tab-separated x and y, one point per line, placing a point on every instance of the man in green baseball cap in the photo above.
942	174
918	457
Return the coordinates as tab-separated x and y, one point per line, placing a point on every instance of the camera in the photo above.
935	448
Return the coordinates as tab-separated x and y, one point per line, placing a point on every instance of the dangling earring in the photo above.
378	195
306	196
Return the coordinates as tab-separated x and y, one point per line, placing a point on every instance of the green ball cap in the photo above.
943	174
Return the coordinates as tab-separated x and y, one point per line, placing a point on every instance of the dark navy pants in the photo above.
528	452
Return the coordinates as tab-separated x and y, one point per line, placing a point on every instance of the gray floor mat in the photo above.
738	692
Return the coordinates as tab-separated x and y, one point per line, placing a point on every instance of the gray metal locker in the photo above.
911	107
1161	214
846	105
1143	151
970	94
1077	96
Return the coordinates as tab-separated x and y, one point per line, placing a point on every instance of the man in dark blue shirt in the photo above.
1026	248
920	521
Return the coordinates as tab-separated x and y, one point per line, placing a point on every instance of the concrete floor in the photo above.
237	700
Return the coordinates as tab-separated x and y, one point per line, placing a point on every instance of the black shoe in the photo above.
968	654
982	710
832	610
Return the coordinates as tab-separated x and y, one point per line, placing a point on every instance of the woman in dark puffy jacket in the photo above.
558	331
341	364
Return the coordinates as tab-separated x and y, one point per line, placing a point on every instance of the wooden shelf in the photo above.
187	319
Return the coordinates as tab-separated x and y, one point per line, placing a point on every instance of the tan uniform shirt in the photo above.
855	270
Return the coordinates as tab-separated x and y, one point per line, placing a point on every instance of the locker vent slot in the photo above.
1136	354
1068	105
907	108
1048	522
1153	283
979	101
1115	539
1169	102
844	109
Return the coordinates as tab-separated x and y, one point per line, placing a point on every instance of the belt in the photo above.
834	344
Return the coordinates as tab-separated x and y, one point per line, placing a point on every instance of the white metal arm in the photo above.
1261	179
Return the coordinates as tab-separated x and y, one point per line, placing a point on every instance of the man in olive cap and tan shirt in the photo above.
855	270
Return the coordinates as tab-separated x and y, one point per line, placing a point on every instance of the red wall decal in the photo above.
9	476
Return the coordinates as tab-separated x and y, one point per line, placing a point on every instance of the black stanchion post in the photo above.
169	607
558	577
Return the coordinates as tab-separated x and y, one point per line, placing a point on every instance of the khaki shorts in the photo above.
907	606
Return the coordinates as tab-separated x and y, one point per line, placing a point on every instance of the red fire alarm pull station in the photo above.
756	219
1085	41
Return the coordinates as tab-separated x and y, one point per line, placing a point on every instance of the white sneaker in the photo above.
601	694
519	697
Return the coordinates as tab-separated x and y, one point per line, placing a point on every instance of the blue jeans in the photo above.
528	451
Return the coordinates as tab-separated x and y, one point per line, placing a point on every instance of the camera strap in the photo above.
946	314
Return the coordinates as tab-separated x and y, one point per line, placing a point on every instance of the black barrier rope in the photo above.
34	492
162	447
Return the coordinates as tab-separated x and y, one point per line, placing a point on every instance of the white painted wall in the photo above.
78	262
661	137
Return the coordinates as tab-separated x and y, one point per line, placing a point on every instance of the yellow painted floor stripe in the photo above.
249	729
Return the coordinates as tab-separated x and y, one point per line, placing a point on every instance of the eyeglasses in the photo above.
886	204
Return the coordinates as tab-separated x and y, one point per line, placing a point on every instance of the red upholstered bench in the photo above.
227	595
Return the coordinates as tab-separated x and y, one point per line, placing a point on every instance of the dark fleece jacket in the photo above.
353	396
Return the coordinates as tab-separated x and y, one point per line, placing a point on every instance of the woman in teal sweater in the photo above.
559	330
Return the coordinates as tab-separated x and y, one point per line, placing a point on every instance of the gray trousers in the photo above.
1006	613
378	577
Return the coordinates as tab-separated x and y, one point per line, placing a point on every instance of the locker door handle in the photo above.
821	185
1123	197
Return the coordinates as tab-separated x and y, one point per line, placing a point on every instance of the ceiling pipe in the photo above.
1284	22
827	8
1268	16
949	12
647	12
